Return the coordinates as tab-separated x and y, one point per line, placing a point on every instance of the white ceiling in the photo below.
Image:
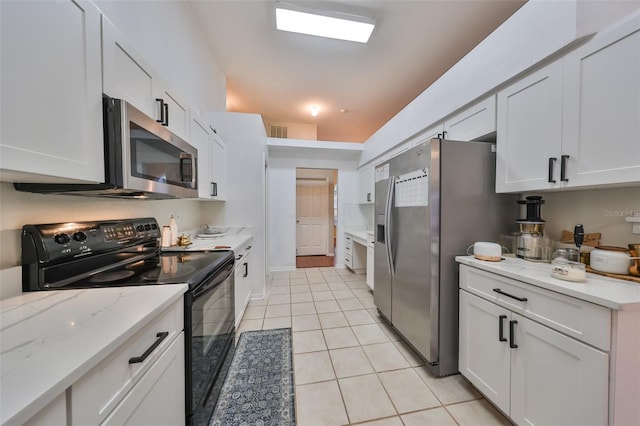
280	75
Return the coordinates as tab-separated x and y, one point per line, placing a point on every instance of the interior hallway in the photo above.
350	367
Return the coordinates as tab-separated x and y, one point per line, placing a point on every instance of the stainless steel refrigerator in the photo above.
432	202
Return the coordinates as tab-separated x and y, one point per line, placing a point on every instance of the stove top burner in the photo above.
112	276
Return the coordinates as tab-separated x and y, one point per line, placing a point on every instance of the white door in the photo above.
484	358
312	216
556	379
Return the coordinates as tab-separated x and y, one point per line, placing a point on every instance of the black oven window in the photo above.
212	324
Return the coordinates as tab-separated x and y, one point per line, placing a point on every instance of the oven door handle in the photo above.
219	278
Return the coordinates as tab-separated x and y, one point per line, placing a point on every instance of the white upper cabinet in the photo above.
575	122
601	120
212	159
218	168
474	122
51	92
201	140
530	131
127	76
366	185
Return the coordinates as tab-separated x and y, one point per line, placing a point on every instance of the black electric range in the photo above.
83	255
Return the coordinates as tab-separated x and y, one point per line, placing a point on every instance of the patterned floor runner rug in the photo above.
258	389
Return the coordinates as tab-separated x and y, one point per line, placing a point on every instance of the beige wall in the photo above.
20	208
599	210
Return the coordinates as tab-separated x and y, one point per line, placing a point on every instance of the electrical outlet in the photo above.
635	228
177	216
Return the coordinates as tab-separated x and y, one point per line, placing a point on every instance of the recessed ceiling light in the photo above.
344	110
338	25
314	111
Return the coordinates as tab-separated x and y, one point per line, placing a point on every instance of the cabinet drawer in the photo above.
348	260
97	393
582	320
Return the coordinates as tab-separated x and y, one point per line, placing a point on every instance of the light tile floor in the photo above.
352	368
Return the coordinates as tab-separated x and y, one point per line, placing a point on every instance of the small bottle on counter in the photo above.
174	230
166	236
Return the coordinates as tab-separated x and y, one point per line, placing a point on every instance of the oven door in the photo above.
209	328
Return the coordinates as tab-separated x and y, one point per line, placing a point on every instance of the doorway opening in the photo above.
316	217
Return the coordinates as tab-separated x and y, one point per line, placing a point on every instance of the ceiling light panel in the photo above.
322	23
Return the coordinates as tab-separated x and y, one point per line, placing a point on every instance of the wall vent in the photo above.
277	131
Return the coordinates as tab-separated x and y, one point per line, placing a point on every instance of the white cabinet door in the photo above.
159	397
201	140
556	379
370	255
366	193
55	413
483	357
175	110
218	184
529	132
602	108
474	122
126	75
242	280
51	92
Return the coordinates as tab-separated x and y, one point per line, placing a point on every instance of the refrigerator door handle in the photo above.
387	226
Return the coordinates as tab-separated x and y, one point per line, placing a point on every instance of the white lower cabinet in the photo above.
53	414
533	373
370	256
140	383
243	277
159	397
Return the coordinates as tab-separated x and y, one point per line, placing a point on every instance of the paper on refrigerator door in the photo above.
412	189
382	172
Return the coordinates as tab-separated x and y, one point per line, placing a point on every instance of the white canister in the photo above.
610	261
174	230
166	236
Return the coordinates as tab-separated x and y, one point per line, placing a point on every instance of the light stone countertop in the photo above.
359	235
50	339
609	292
234	238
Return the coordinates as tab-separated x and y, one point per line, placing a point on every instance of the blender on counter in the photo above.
532	245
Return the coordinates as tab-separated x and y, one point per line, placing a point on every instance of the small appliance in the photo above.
532	245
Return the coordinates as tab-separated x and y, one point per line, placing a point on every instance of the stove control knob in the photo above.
62	238
79	236
147	227
140	228
154	226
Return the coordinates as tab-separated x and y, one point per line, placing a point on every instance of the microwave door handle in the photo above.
186	168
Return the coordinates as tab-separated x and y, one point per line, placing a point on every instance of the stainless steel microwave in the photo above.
143	159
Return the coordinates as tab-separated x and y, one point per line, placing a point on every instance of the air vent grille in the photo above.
277	131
